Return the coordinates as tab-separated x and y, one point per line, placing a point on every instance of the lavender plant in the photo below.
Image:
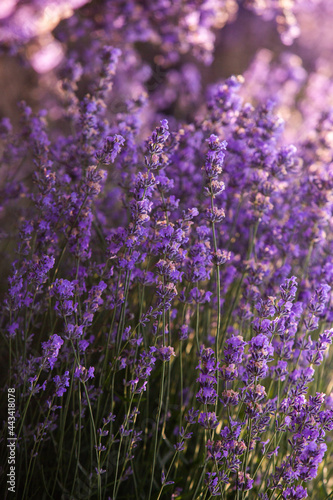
167	318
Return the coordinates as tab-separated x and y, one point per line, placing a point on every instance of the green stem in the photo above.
27	404
199	482
156	431
115	484
92	422
33	456
247	453
78	451
62	428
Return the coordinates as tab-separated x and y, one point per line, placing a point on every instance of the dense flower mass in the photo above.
166	253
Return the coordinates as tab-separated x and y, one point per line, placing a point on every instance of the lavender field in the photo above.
166	249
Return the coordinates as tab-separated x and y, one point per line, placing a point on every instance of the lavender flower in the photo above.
61	383
206	246
51	349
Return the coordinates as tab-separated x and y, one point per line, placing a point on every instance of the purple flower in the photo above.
155	146
183	333
208	420
229	397
166	352
51	349
63	289
73	332
83	344
12	329
215	482
126	262
111	149
216	450
207	379
260	348
61	383
244	482
83	374
199	296
146	363
253	393
191	416
163	480
288	289
297	493
280	371
94	181
319	300
234	350
41	269
66	307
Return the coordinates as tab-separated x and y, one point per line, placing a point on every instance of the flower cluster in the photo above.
167	257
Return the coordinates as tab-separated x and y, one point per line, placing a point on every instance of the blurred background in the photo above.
198	42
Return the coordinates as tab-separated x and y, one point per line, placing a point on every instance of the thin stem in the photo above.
69	234
115	485
247	453
199	482
156	431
